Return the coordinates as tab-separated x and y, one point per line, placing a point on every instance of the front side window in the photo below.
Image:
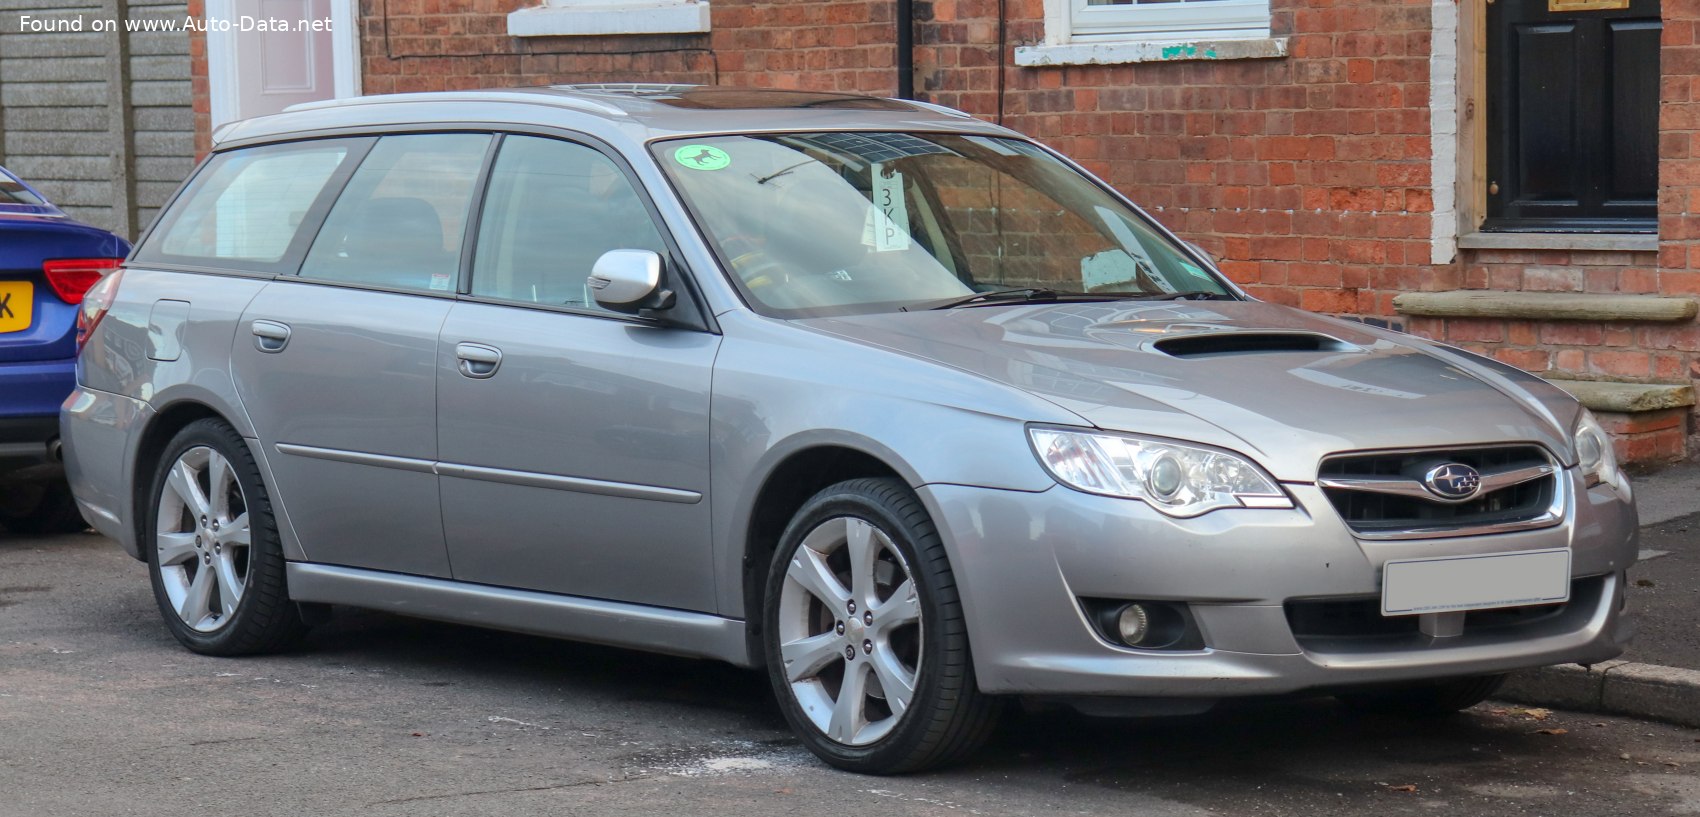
837	223
400	221
247	206
552	210
1166	19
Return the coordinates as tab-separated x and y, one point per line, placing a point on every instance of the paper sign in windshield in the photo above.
888	221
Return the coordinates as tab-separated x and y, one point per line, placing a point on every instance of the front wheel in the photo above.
213	549
867	648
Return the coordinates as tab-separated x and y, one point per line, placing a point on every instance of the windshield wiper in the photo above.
1188	295
1018	294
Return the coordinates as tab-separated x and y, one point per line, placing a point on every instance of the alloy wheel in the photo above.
203	539
849	631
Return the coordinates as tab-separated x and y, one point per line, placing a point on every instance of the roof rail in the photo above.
628	88
935	108
533	95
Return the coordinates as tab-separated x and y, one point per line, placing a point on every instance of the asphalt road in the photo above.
1664	591
102	714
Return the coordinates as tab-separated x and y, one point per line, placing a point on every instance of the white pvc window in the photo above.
1095	20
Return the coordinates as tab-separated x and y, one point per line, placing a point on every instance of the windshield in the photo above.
817	224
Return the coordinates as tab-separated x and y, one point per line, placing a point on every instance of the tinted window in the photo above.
400	221
554	208
246	206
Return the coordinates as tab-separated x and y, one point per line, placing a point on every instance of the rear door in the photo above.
337	365
574	441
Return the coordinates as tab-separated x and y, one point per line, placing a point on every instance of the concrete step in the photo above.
1626	398
1544	306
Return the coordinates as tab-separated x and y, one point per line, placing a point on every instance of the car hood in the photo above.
1285	386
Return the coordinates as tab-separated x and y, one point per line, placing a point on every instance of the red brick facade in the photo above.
1308	175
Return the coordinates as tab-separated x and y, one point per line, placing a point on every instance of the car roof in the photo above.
641	110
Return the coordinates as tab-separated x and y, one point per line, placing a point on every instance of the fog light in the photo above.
1133	624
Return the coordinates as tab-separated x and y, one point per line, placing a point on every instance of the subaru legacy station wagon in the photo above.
901	408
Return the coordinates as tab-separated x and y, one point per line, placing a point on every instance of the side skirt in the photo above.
618	624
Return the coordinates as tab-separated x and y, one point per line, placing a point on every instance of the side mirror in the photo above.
629	281
1204	254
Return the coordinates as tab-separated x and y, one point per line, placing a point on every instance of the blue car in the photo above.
47	263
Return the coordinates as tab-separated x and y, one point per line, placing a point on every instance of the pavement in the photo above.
101	713
1659	676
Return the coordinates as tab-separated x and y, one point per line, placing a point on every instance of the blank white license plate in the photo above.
1454	583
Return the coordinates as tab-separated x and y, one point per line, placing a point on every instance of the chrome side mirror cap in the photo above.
629	281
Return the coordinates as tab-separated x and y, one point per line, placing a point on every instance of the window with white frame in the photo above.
1101	20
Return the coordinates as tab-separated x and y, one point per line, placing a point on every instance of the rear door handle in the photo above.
477	360
270	336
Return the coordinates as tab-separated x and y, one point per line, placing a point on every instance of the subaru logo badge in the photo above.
1454	481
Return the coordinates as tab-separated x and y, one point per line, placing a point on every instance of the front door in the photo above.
574	442
1573	115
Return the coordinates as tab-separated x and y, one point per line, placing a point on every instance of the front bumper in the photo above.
1023	560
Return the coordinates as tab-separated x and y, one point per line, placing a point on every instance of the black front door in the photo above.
1573	115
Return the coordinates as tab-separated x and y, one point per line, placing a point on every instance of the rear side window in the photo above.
400	221
246	207
553	208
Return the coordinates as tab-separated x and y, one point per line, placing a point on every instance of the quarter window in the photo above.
400	221
246	207
552	209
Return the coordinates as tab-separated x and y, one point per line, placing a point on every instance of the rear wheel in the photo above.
40	508
213	549
866	643
1435	698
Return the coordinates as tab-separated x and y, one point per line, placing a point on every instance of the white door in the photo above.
276	69
265	55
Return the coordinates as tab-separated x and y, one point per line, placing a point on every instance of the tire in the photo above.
196	557
39	509
1433	699
894	637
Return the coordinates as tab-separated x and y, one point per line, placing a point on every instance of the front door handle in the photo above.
270	336
477	360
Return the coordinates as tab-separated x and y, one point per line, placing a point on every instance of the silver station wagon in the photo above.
897	406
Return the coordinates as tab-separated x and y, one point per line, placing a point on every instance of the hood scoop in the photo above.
1218	344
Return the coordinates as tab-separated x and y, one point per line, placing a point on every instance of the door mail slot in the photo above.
1586	5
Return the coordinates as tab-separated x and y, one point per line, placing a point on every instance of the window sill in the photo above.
610	17
1130	51
1604	242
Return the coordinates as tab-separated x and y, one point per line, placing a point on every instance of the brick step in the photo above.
1648	422
1544	306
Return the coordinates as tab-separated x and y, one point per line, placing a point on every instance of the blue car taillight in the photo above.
71	278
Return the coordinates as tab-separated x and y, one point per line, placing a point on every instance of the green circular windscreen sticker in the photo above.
702	157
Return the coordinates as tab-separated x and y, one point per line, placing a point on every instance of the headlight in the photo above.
1594	454
1179	480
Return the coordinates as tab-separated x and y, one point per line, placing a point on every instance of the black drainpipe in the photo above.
905	49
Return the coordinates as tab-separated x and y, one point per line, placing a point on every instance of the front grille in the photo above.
1335	624
1388	514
